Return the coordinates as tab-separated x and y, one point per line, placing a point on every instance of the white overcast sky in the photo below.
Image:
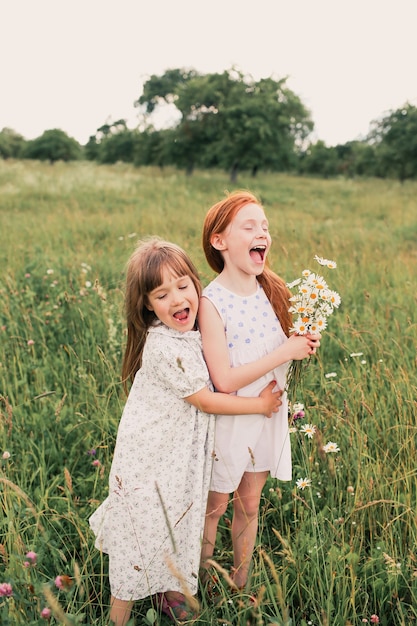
75	64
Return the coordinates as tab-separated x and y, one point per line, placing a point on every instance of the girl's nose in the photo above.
177	297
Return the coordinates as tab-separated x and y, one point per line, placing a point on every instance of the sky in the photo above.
77	64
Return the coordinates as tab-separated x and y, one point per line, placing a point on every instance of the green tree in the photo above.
152	147
356	158
53	145
118	147
395	140
11	144
230	120
319	159
189	92
265	127
112	142
92	149
163	89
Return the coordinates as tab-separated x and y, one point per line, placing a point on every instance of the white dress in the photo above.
160	474
245	443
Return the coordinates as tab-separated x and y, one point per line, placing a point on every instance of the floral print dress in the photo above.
151	523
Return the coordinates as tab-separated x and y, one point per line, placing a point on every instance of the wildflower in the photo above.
299	415
32	556
300	328
63	582
46	613
6	455
297	406
302	483
350	489
6	590
312	303
308	430
27	275
356	354
334	298
297	411
58	582
30	342
330	264
96	463
330	375
91	452
295	283
88	283
49	271
331	447
374	619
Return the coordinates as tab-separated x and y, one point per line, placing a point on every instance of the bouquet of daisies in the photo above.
311	305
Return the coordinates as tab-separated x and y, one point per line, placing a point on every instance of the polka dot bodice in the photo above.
247	319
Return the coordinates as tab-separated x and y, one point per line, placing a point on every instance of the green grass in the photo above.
333	554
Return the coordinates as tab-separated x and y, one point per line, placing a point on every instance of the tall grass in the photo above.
335	553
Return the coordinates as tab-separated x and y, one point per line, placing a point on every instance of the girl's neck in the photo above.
237	282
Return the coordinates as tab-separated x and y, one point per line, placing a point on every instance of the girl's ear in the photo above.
217	242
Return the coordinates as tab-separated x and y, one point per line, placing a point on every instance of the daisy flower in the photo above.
302	483
330	264
311	305
331	447
297	407
308	430
294	283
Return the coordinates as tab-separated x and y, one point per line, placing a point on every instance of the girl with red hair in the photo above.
245	324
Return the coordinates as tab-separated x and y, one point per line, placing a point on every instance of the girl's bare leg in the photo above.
120	611
245	522
216	507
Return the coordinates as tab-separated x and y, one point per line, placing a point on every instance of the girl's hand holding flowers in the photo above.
314	343
311	305
302	346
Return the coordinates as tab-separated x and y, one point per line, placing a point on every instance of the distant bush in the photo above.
11	144
53	145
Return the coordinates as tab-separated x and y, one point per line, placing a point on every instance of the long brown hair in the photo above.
217	219
143	275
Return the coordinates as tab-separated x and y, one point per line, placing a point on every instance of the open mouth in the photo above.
182	316
257	253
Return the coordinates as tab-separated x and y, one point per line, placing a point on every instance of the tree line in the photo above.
230	121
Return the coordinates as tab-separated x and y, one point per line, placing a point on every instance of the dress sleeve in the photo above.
180	367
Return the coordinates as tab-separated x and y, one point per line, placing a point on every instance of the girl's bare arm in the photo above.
266	403
227	378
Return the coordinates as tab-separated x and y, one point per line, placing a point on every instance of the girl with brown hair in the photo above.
151	523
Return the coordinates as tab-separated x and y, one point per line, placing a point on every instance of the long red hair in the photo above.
216	221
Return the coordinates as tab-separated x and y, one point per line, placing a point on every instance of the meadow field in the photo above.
340	551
